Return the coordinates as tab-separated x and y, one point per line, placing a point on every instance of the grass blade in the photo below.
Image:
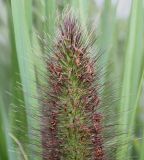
25	60
82	7
107	28
28	9
133	53
141	149
50	14
6	152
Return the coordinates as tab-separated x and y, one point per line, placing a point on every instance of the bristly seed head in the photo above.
72	126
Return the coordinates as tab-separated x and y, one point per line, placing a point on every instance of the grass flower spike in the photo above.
72	118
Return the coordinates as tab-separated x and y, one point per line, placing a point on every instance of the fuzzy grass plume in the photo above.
73	123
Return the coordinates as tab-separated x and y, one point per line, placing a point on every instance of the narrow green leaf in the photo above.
22	152
25	61
17	95
3	146
6	149
28	14
50	14
82	7
133	53
38	15
107	29
137	100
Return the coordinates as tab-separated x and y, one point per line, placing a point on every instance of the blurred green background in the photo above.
120	30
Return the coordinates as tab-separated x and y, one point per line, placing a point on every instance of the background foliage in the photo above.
121	38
